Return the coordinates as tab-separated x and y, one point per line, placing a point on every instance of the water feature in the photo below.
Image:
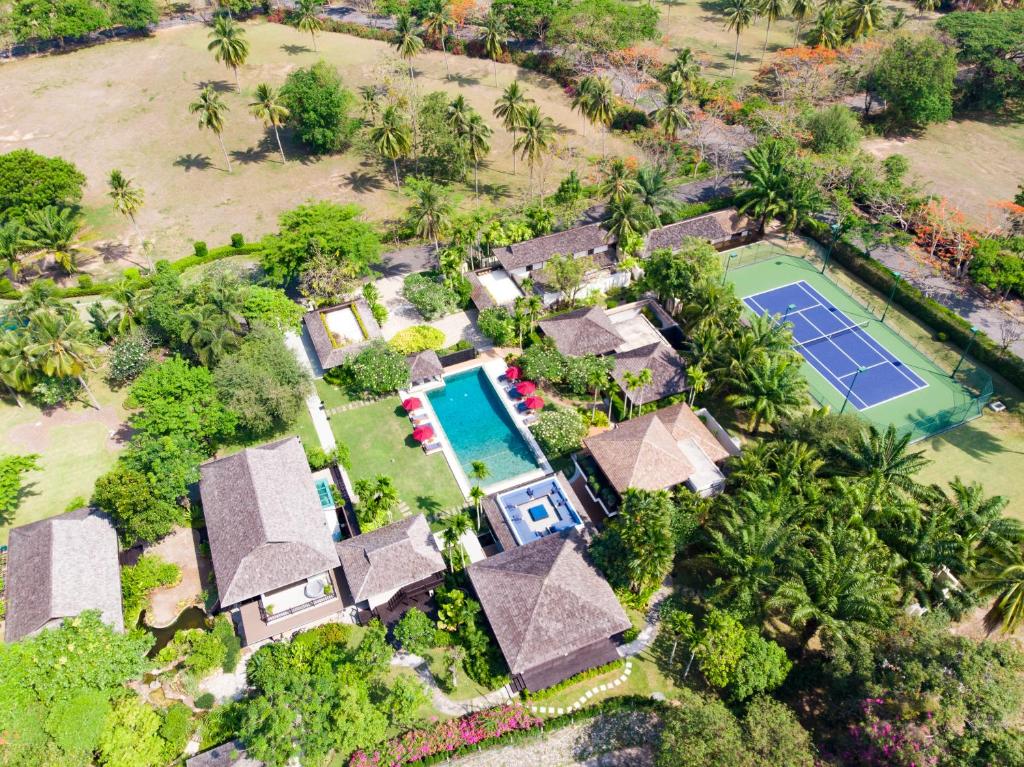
189	618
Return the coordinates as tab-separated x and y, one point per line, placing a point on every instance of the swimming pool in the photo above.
479	427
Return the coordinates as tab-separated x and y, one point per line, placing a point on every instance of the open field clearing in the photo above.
125	105
972	163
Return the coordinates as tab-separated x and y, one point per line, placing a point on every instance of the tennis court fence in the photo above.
975	382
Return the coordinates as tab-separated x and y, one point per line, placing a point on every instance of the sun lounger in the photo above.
431	447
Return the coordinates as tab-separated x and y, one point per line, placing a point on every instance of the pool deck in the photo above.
494	368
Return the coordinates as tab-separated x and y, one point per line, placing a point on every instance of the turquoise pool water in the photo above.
323	489
479	428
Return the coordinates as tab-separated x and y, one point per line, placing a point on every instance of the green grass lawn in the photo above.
644	679
465	688
379	439
332	396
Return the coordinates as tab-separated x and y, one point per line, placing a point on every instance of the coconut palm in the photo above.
477	495
827	29
800	10
127	198
378	500
600	106
884	463
767	177
697	380
628	218
18	370
536	136
307	18
618	181
495	33
59	347
438	24
431	211
654	190
408	41
269	108
209	333
457	114
769	388
644	378
369	104
476	134
211	109
453	528
771	10
581	98
739	14
682	70
228	44
511	108
14	242
863	17
392	138
671	116
55	230
1002	578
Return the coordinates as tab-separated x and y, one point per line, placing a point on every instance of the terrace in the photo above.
339	331
538	509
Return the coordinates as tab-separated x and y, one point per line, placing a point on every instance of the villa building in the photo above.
553	614
60	567
661	450
525	513
341	331
271	540
390	565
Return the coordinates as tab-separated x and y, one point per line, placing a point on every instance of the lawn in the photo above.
379	439
137	120
465	688
644	679
76	445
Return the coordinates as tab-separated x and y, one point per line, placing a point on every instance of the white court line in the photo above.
848	393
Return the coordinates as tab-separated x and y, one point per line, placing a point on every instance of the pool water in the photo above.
323	489
479	428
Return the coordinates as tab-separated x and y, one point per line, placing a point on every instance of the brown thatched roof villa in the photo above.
340	331
553	614
60	567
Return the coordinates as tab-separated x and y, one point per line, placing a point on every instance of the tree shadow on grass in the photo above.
362	182
193	162
219	86
251	156
496	190
463	80
295	50
429	505
26	491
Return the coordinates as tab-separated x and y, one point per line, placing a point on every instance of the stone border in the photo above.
586	697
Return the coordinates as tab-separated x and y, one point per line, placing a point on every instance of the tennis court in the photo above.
837	347
846	348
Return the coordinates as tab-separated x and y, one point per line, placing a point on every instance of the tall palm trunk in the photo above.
280	148
444	50
238	85
138	233
495	63
88	391
224	149
476	178
17	397
313	35
394	163
736	54
764	50
513	151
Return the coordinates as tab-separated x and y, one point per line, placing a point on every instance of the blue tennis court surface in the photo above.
837	347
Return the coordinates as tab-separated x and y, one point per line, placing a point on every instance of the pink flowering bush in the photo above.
884	737
447	737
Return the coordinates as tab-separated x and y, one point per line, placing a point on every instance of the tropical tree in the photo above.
654	190
767	177
18	371
369	102
210	333
697	380
618	181
55	230
1003	579
495	33
827	29
211	109
269	108
739	14
863	17
671	116
581	98
59	346
392	138
457	114
228	44
307	18
431	211
477	495
600	106
770	10
769	388
408	41
453	527
439	23
14	242
476	134
378	500
127	199
537	134
511	108
884	463
682	70
647	545
628	218
800	10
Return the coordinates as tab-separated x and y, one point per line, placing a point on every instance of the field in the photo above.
971	162
125	105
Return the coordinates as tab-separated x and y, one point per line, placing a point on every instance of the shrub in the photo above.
200	249
237	240
380	313
176	728
205	701
497	324
138	580
53	392
431	297
128	358
834	129
271	306
85	281
418	338
319	107
559	431
415	632
378	369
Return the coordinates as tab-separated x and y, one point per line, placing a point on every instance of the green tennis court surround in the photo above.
933	400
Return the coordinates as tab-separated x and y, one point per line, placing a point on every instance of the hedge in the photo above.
931	312
547	692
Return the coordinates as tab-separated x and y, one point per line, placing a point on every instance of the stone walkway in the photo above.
313	402
584	699
651	621
442	702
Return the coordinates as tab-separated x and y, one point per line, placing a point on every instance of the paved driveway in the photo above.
401	314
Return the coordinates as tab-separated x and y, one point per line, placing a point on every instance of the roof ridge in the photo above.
250	479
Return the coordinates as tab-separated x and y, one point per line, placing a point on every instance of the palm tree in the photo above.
800	10
643	379
767	180
863	17
307	18
210	334
479	470
18	370
581	98
698	381
827	30
431	212
1003	579
771	387
627	218
269	108
14	241
59	347
477	495
511	108
600	106
453	528
392	138
536	136
771	10
739	14
368	103
884	463
457	114
495	32
438	23
632	383
127	199
211	109
55	230
654	190
475	134
618	181
682	70
378	498
671	116
408	41
228	44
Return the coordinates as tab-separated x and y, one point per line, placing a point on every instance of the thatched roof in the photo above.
390	557
644	452
582	331
545	600
718	227
329	355
266	525
424	366
60	567
580	239
668	372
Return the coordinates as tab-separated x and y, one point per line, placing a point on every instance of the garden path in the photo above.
299	348
442	702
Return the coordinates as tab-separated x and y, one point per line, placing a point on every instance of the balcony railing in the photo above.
274	616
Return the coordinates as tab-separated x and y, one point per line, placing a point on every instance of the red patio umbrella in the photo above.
423	433
513	373
526	387
413	403
534	403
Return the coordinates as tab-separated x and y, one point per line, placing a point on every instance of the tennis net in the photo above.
842	331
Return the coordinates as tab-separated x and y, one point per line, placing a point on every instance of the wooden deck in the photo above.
254	628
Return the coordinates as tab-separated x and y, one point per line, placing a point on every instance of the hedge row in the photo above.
931	312
548	692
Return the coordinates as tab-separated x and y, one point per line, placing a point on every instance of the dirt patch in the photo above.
182	548
35	437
